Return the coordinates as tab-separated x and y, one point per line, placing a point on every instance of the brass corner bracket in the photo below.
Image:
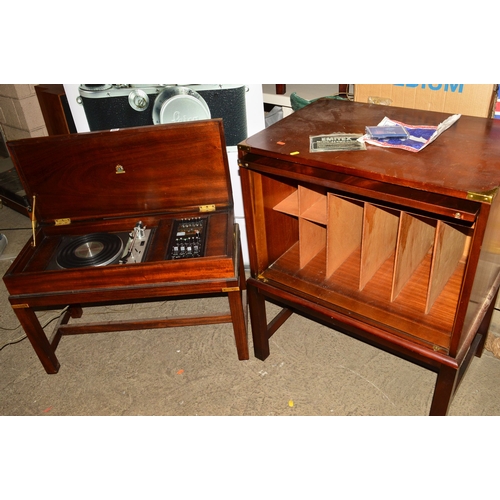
484	197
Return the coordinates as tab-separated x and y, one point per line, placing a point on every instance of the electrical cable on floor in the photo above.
9	329
12	342
57	317
25	336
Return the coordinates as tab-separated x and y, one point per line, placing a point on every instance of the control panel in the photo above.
188	238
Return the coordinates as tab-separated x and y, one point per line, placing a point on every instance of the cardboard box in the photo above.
466	99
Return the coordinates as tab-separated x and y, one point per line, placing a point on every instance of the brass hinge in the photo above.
262	278
20	306
207	208
244	147
486	197
62	222
437	348
233	289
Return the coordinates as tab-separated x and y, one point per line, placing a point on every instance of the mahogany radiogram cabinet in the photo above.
125	216
398	249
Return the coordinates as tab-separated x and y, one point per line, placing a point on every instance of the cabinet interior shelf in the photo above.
385	264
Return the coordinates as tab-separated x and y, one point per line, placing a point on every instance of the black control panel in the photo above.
188	238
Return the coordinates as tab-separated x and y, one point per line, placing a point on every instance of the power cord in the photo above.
16	341
12	342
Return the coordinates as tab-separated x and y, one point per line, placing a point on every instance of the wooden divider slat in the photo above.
312	239
415	239
290	205
449	246
380	231
345	221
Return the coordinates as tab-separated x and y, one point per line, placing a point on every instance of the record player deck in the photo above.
101	249
125	216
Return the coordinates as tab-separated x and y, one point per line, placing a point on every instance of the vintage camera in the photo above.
109	106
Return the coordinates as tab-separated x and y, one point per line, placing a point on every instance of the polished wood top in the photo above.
464	159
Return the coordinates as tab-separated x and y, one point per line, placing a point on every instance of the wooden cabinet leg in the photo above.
443	391
38	339
239	324
258	320
76	311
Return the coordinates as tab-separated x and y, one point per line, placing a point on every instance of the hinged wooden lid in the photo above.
133	171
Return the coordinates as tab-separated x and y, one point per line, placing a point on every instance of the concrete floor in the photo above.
312	370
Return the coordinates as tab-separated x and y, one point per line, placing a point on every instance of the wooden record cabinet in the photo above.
398	249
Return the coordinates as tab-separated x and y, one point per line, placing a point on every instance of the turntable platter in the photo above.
96	249
89	249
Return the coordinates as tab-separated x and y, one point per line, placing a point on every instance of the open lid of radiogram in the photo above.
133	171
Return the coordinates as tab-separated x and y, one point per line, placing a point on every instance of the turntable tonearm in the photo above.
125	216
102	249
